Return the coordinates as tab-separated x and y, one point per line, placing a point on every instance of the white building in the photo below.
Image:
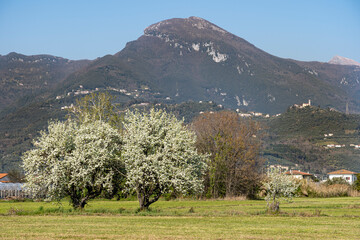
349	176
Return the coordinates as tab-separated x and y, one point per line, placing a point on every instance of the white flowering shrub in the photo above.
76	160
278	187
160	156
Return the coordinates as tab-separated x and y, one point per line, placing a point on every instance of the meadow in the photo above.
304	218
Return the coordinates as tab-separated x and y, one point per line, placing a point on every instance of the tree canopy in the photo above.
160	156
278	186
235	165
96	107
76	160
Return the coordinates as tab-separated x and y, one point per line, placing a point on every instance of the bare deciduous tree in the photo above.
235	166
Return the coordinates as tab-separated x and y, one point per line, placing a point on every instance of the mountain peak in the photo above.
343	61
183	24
201	23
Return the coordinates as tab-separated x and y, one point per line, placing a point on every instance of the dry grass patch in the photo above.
321	190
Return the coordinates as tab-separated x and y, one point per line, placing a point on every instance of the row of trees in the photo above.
98	152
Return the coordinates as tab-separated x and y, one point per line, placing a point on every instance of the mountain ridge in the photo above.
186	59
175	61
21	75
194	59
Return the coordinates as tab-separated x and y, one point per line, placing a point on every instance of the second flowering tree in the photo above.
160	156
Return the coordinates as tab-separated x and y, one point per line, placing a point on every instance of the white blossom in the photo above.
76	160
279	186
160	155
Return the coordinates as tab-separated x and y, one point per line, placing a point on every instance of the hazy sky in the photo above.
309	30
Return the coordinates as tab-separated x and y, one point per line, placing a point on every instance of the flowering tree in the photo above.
160	156
76	160
279	186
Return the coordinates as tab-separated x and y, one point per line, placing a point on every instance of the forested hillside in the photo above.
316	139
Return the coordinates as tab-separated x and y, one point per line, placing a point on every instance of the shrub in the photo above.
357	182
338	180
313	189
278	186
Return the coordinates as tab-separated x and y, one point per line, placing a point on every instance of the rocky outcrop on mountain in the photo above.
343	61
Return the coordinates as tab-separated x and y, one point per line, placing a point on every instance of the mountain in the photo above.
174	61
192	59
343	61
22	75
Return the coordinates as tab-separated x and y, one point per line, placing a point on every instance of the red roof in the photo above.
341	172
2	175
296	172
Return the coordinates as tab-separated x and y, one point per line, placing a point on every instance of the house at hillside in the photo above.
299	175
349	176
281	167
308	104
4	178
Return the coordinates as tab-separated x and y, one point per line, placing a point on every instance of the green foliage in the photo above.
298	137
290	152
313	122
96	107
357	182
336	180
189	110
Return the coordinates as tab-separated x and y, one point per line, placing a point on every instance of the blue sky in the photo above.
308	30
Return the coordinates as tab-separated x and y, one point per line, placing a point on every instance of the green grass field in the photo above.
305	218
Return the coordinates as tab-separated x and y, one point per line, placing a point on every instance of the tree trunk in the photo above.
145	201
142	201
274	207
83	203
79	204
75	201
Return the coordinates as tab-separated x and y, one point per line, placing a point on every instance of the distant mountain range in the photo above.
22	75
174	61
